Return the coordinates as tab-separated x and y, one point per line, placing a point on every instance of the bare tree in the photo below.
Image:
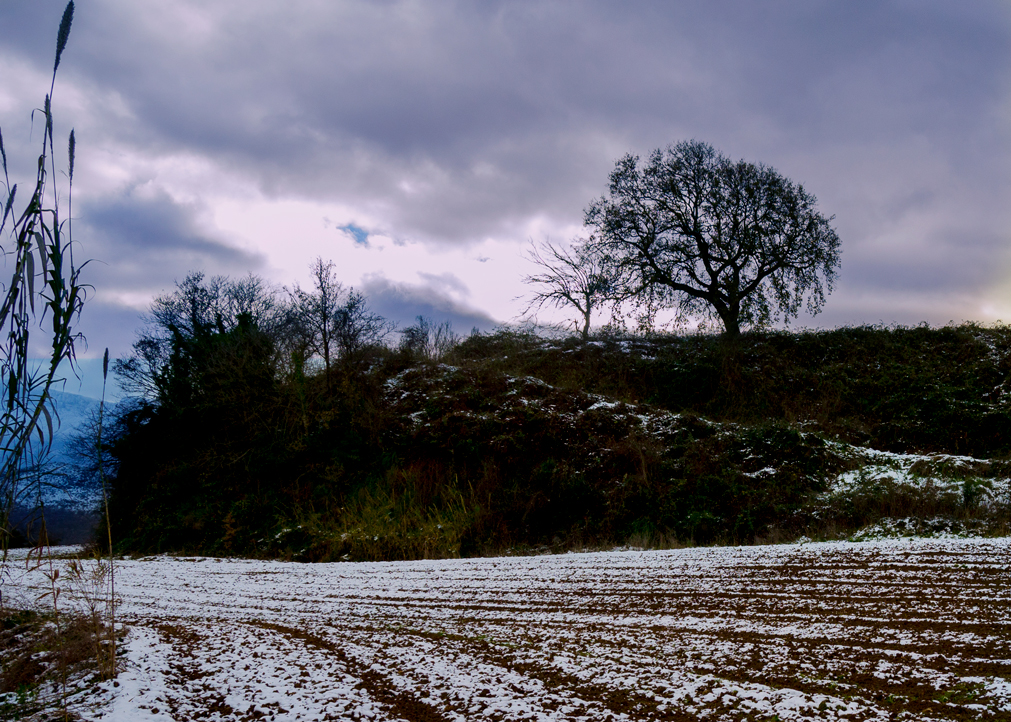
315	311
356	328
428	340
694	231
570	278
335	323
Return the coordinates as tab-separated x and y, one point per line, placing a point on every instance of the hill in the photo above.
512	441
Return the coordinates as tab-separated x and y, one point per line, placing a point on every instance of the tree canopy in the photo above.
709	237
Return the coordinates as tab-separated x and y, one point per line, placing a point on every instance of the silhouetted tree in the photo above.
428	340
694	231
207	453
315	311
356	328
332	322
199	306
574	277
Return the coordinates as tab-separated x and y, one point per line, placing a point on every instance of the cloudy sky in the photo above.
423	145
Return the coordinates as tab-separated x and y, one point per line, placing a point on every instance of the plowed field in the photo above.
876	630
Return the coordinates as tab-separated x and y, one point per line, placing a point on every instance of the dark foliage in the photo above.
228	447
941	390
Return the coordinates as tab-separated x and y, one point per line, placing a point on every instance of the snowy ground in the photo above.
920	629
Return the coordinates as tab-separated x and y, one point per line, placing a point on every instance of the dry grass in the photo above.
40	651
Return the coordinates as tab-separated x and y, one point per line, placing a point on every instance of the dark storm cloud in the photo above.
402	303
139	242
457	121
141	246
493	111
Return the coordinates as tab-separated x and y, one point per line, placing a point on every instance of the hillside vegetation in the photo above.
511	441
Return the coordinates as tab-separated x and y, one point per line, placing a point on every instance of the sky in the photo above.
422	146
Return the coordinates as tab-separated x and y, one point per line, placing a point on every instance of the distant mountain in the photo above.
70	496
74	412
65	484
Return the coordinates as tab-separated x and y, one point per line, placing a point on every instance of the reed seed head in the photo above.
64	33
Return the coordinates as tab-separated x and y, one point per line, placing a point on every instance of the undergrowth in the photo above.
49	663
921	389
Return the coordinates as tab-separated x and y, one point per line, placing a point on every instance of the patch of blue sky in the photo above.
360	235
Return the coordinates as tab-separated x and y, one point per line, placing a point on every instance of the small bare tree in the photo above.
315	311
572	277
334	322
429	341
356	328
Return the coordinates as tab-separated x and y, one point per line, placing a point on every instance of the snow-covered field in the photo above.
915	628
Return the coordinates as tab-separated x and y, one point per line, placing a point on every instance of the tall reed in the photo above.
45	293
45	290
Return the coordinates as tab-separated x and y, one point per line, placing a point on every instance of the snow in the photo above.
793	631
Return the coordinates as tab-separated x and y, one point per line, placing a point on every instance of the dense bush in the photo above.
943	390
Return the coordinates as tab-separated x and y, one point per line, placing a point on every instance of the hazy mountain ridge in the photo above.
70	495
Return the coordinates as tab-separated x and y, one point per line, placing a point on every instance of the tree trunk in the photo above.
731	324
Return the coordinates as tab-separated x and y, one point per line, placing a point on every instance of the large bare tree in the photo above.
694	231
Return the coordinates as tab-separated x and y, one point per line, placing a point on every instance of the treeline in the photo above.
300	424
250	405
255	409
